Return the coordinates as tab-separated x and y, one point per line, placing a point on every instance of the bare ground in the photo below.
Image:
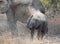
24	34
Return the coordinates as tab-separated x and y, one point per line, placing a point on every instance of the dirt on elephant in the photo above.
23	37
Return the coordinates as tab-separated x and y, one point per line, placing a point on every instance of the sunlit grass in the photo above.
8	39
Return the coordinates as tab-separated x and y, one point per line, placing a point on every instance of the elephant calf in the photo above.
38	21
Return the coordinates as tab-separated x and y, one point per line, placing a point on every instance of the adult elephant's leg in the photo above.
12	21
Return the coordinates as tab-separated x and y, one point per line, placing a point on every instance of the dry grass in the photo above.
9	39
24	35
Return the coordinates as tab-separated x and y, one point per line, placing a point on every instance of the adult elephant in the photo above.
18	10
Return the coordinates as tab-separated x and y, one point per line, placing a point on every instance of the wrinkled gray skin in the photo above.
18	10
3	6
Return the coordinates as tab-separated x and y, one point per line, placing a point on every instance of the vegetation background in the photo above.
52	11
51	5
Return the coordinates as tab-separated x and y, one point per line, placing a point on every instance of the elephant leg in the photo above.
12	21
39	33
45	28
32	33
